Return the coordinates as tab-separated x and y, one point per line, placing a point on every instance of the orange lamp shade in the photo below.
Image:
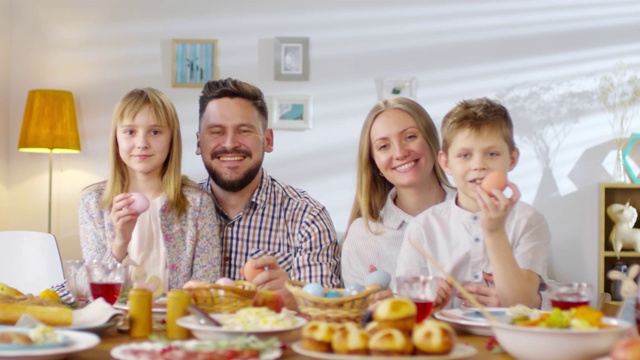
49	123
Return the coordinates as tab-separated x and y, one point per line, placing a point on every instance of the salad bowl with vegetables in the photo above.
579	333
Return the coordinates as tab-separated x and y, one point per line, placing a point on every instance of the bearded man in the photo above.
289	233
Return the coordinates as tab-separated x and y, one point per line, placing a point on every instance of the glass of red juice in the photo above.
569	295
105	280
420	289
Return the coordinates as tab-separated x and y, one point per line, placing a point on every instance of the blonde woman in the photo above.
398	178
176	238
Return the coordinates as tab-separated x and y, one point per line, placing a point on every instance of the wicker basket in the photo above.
333	310
223	299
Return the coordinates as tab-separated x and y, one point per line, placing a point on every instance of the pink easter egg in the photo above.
140	203
225	282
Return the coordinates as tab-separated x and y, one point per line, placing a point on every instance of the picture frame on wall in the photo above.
397	86
194	62
291	58
290	112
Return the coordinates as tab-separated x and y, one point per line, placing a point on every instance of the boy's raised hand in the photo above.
495	207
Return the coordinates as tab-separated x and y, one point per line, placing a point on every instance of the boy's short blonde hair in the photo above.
477	115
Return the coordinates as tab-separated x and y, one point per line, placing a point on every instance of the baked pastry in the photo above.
316	336
350	339
390	342
433	337
397	313
15	338
372	327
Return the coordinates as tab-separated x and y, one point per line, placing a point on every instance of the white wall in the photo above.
5	38
541	58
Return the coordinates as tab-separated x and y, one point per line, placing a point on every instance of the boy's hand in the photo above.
445	290
485	294
495	207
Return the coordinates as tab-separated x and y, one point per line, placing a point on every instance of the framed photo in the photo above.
290	112
392	87
291	58
194	62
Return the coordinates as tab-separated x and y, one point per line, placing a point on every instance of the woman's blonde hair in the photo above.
371	188
165	114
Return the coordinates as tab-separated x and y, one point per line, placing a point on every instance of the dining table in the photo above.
113	337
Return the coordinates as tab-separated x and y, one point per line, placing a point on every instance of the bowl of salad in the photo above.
578	333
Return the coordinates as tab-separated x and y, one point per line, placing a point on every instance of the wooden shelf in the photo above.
614	193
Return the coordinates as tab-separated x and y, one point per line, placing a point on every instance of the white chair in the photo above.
29	261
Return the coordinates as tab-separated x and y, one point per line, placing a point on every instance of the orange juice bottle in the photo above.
177	302
140	318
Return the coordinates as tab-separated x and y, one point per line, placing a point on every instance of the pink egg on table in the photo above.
140	203
223	281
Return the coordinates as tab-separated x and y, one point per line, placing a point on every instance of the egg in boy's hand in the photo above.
494	180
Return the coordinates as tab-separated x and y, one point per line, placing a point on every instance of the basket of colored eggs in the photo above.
225	296
337	305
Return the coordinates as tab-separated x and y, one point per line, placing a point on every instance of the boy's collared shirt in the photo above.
454	238
381	247
284	222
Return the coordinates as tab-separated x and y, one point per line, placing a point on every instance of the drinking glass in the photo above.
568	295
420	289
75	273
105	280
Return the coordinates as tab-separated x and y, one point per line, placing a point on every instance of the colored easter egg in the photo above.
353	289
332	294
314	289
379	277
224	281
494	180
250	271
140	203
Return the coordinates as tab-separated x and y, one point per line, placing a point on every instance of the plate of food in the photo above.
245	347
74	341
96	329
40	337
470	320
258	321
460	351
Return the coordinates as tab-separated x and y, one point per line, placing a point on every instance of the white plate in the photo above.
157	308
470	320
77	341
96	329
460	351
120	352
208	332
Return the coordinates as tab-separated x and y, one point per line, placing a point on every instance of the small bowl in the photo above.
533	343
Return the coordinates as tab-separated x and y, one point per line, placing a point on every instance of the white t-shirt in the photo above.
453	237
147	248
362	248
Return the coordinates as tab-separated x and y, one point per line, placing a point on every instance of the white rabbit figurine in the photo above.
623	235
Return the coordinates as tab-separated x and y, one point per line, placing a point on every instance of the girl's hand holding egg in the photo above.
140	203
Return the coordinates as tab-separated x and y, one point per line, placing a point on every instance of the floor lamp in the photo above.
49	126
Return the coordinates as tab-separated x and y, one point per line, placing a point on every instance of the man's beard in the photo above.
237	184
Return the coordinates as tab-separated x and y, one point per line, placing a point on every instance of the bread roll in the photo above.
349	338
52	316
316	336
390	342
397	313
433	337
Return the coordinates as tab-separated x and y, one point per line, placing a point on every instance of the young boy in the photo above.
496	246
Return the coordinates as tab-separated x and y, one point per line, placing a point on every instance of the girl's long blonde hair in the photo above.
165	114
372	189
